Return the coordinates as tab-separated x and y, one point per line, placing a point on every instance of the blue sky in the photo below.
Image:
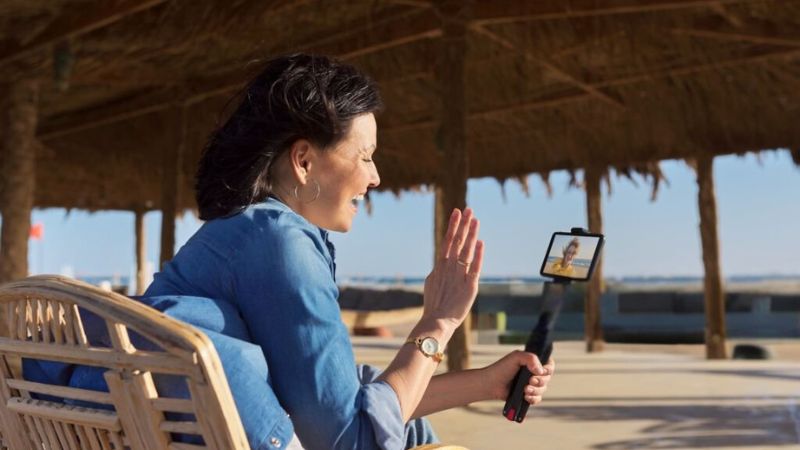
757	199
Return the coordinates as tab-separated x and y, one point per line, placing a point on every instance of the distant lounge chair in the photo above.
44	323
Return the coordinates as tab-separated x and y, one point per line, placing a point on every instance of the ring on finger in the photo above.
463	263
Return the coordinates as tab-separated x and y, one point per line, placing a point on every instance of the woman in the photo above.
564	265
291	164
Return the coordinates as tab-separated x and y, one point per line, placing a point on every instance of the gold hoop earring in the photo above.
316	193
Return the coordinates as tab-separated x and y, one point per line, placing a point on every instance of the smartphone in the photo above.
572	256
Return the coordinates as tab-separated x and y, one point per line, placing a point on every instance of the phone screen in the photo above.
572	256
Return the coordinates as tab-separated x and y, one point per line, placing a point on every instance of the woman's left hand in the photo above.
501	374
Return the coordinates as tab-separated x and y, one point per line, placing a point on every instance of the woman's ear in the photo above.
300	155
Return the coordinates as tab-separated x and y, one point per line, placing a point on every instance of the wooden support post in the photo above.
18	178
170	185
593	329
18	168
714	296
451	191
141	252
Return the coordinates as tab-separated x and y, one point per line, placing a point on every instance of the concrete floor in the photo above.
634	397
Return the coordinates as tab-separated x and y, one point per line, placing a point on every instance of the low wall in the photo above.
629	316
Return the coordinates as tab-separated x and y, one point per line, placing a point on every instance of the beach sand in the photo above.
635	396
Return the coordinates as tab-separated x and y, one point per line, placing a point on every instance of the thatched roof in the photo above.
551	84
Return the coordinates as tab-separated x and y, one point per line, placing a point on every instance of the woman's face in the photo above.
344	174
569	254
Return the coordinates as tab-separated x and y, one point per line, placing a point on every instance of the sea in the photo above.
399	281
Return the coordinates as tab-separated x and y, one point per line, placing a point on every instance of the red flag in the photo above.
37	232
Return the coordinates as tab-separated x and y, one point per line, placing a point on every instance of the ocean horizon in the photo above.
118	280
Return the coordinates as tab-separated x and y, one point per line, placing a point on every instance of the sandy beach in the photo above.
635	396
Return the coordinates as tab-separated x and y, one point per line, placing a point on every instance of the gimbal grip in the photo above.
516	407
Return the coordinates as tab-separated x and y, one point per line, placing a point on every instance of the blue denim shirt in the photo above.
278	271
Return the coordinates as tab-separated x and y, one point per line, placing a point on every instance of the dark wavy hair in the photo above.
294	97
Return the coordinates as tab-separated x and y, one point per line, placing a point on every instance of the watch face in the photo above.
429	346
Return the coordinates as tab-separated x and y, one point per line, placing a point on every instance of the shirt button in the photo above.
275	442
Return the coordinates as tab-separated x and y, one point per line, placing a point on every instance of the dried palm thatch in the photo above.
551	84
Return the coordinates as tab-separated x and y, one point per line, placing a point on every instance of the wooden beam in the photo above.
548	65
593	330
509	11
74	22
397	42
141	251
540	103
170	185
715	335
451	184
739	36
128	107
396	31
414	3
703	67
528	105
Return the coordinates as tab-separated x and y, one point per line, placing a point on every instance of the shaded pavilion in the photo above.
108	104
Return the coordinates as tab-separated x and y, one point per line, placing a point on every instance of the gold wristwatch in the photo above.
429	347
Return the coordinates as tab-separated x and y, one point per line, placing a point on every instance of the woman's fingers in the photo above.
534	394
537	384
535	390
452	228
550	367
477	261
531	361
539	380
460	241
468	250
533	399
460	235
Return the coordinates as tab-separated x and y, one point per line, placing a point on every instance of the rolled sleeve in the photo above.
382	407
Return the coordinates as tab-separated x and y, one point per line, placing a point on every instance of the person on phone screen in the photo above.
563	266
293	162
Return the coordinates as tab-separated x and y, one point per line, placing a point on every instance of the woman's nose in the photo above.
374	179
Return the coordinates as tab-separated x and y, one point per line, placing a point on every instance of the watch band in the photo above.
438	356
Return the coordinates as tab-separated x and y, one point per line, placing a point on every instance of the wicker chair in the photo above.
42	317
43	323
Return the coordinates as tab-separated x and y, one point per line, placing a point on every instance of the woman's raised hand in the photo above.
452	285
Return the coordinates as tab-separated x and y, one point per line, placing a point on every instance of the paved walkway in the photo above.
635	397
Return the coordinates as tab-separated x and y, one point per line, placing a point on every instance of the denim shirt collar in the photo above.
273	202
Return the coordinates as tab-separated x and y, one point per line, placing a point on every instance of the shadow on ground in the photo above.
685	426
770	374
